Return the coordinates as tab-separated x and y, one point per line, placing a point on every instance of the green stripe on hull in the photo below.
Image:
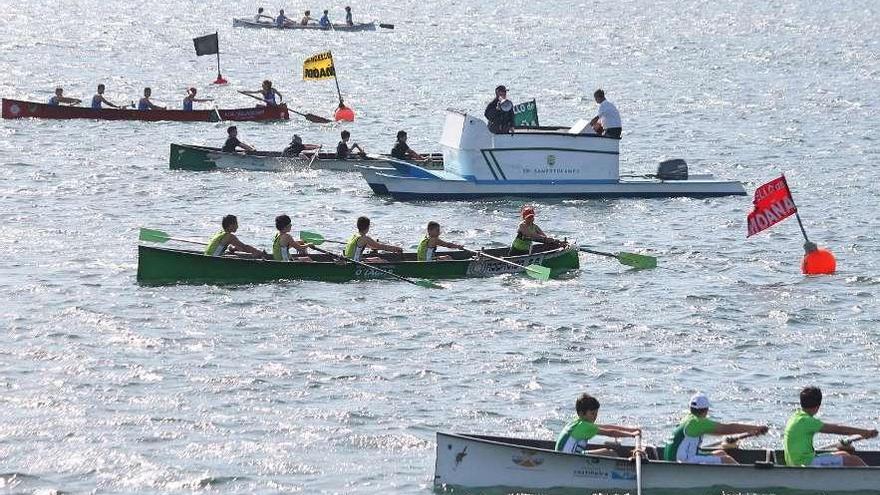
168	266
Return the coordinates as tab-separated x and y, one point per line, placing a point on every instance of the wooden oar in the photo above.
314	155
421	283
151	235
535	271
309	116
638	454
732	439
845	442
630	259
315	238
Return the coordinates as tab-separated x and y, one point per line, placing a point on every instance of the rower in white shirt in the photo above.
608	117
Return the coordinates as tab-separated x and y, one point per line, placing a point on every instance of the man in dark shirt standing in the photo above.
499	112
232	142
402	151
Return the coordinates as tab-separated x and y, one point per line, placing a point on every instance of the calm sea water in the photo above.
317	388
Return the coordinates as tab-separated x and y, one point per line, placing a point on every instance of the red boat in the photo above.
15	109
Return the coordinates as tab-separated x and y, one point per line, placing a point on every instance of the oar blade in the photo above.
538	272
428	284
316	119
386	26
640	261
311	237
151	235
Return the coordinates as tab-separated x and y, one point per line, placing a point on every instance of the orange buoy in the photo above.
817	261
344	114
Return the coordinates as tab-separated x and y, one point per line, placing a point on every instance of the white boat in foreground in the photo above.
480	462
536	163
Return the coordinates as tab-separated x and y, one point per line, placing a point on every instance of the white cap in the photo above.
700	401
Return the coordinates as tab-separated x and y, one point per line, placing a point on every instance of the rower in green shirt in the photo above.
803	425
428	245
688	437
225	241
283	241
576	434
356	245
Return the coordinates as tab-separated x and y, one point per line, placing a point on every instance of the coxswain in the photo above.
528	232
402	151
428	246
348	19
344	150
499	112
282	20
607	122
575	437
59	99
297	146
260	16
145	103
688	436
232	143
803	425
283	241
324	22
191	97
99	99
225	241
355	246
267	93
307	17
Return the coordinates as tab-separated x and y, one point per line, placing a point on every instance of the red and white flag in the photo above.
773	204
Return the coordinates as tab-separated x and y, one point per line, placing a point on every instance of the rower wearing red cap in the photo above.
528	232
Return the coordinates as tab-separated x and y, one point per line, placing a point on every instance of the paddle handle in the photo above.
252	96
732	439
844	441
371	267
188	241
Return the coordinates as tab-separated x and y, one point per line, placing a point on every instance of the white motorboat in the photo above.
535	163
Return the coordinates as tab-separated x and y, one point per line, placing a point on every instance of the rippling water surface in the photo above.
321	388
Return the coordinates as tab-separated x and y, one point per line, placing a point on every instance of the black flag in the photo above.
207	45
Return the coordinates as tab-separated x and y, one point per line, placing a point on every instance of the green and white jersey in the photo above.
575	436
687	438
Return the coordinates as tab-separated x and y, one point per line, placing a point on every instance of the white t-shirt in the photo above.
609	117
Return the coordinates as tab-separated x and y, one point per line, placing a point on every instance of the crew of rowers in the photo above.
283	21
344	148
226	242
144	103
685	446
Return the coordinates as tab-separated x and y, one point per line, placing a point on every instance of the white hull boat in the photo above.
535	163
480	462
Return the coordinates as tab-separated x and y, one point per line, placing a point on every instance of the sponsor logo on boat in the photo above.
623	475
591	471
15	109
364	272
527	459
551	160
484	267
548	170
256	112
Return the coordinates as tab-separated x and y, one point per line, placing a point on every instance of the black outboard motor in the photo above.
675	169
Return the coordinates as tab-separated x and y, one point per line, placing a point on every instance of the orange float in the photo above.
344	114
817	261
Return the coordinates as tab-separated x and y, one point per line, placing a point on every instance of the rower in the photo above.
499	112
527	232
307	17
607	122
402	151
282	20
190	98
59	99
297	146
267	93
145	103
576	434
324	22
348	19
226	241
232	143
344	150
355	246
283	241
803	425
428	245
260	16
99	99
685	443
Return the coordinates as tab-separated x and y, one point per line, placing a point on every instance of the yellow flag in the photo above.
319	67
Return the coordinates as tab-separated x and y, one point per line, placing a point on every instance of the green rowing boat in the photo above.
157	265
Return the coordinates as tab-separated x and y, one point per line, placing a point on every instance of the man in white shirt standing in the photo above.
608	116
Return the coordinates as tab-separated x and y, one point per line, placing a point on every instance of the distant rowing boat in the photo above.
203	158
158	265
17	109
482	462
249	23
